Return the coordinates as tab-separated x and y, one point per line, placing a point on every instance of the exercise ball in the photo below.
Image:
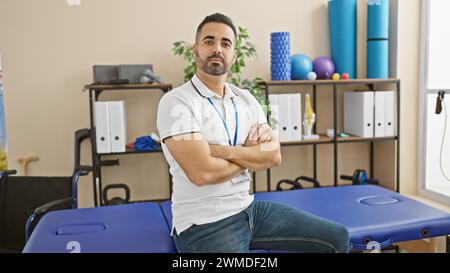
324	68
301	65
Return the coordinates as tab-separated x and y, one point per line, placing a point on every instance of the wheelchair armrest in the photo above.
40	211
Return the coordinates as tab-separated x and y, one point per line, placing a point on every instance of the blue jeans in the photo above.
265	225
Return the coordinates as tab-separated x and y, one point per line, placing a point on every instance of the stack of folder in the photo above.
110	129
286	111
369	114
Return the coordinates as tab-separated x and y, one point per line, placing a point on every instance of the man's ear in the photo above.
235	56
195	50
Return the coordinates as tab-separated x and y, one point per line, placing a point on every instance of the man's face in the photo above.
214	51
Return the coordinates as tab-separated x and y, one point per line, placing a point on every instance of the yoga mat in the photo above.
377	39
377	59
342	23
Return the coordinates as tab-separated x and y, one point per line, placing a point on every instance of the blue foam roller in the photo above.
378	59
377	19
280	59
342	23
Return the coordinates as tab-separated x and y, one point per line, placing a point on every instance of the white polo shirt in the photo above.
186	109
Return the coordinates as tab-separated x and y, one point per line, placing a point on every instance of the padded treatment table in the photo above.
370	213
138	227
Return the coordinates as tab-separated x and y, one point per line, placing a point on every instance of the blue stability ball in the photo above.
301	65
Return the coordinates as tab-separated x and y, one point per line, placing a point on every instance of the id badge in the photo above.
243	177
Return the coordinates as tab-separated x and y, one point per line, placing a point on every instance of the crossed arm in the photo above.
260	151
206	164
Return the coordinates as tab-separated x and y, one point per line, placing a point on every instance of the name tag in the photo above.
243	177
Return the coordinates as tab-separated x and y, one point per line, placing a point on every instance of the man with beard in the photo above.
212	132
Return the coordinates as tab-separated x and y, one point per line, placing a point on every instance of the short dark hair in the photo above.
216	18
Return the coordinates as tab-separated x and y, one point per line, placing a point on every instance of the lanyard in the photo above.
225	123
223	120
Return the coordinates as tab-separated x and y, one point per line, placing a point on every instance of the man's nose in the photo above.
217	49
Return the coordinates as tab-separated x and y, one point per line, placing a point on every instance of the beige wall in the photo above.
408	72
48	50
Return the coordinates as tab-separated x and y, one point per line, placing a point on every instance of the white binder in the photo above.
296	117
101	120
359	113
275	113
285	117
379	113
389	116
117	126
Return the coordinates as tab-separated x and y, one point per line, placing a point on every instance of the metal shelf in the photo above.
97	87
324	139
132	151
94	93
370	83
331	82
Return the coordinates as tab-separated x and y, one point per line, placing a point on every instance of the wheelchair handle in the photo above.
80	136
10	172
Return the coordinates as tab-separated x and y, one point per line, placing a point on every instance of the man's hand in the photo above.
258	134
254	156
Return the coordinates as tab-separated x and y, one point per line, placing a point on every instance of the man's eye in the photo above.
226	45
209	42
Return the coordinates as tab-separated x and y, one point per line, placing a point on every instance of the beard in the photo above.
213	68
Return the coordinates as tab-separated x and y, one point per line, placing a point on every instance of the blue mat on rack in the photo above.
378	40
342	22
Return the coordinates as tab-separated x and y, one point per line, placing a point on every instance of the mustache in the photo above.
215	56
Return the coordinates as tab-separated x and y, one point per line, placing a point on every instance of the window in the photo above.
434	144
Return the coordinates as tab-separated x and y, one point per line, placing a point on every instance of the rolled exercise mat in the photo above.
342	23
377	59
280	56
377	39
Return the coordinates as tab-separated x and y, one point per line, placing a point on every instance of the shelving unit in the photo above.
97	162
324	139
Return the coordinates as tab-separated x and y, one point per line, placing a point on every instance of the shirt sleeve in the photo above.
259	115
175	117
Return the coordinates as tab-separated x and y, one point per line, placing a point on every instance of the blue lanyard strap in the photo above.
225	123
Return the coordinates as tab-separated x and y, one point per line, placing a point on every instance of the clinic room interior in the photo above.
56	55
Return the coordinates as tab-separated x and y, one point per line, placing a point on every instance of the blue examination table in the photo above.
138	227
370	213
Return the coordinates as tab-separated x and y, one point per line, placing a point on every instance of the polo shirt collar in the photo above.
205	92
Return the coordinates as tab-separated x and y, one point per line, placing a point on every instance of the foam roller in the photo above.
280	56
